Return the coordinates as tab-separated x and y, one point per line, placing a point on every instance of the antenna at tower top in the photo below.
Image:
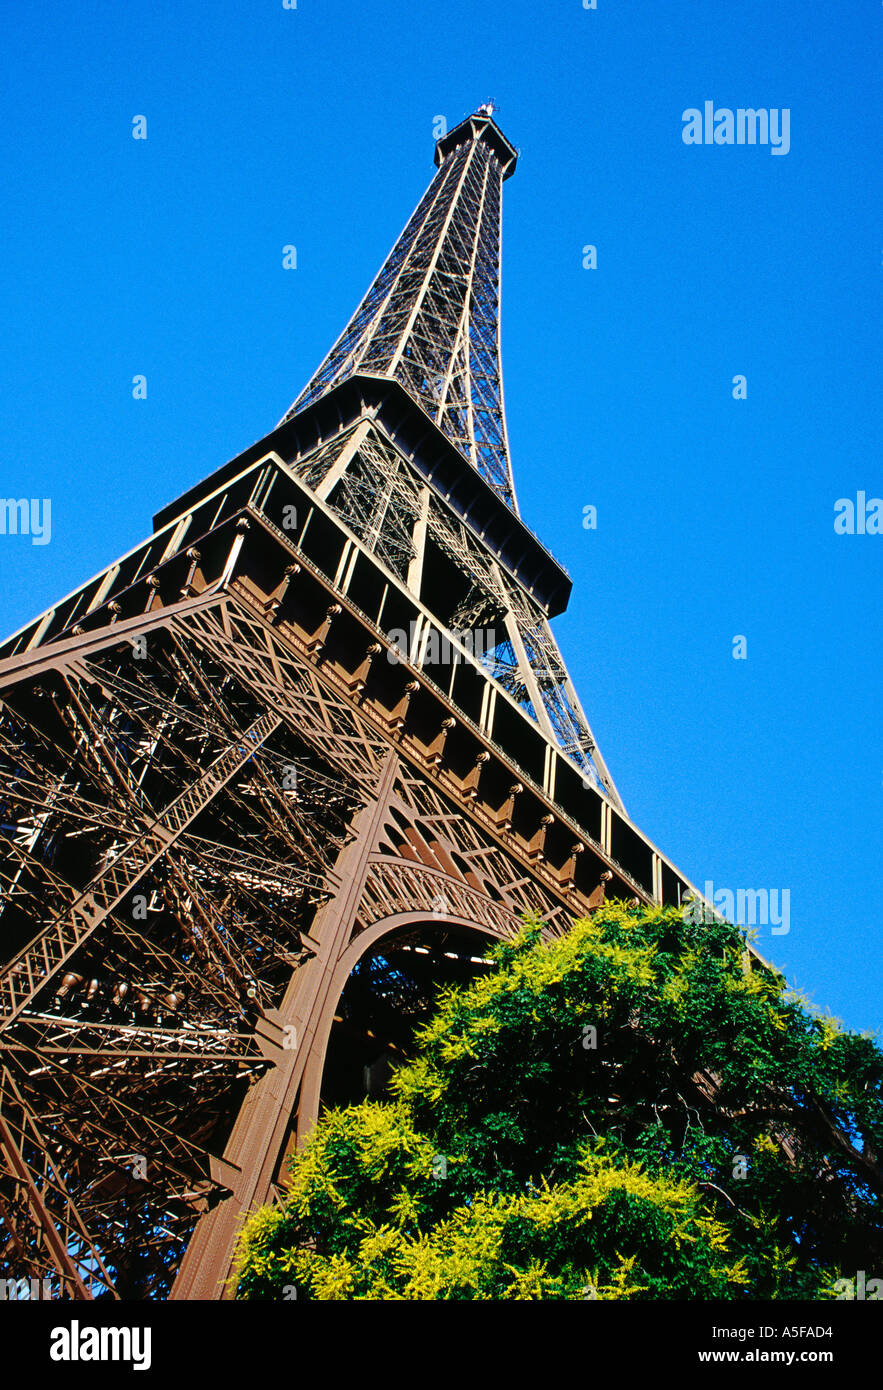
487	108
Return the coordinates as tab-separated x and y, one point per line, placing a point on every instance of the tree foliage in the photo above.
633	1110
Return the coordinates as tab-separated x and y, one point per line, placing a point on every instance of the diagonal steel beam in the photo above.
47	952
37	1193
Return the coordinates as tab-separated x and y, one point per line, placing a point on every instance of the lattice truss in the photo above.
143	927
431	318
474	877
547	678
392	511
380	499
386	504
431	857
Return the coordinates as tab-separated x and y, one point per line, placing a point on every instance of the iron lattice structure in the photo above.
276	774
431	319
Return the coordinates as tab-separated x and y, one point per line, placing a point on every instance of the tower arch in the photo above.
452	939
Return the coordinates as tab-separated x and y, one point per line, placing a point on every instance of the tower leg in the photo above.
257	1143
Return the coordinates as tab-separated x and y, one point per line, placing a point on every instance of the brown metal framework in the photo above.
314	722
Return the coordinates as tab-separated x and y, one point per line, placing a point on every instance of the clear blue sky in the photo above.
269	126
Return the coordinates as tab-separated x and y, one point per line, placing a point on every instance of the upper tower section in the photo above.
431	319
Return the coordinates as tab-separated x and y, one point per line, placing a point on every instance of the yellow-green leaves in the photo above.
633	1110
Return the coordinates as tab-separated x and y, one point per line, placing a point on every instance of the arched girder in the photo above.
358	950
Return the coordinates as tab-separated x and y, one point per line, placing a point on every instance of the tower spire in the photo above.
431	318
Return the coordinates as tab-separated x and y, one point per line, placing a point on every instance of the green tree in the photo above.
637	1110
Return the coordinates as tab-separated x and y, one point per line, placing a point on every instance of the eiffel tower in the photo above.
279	773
